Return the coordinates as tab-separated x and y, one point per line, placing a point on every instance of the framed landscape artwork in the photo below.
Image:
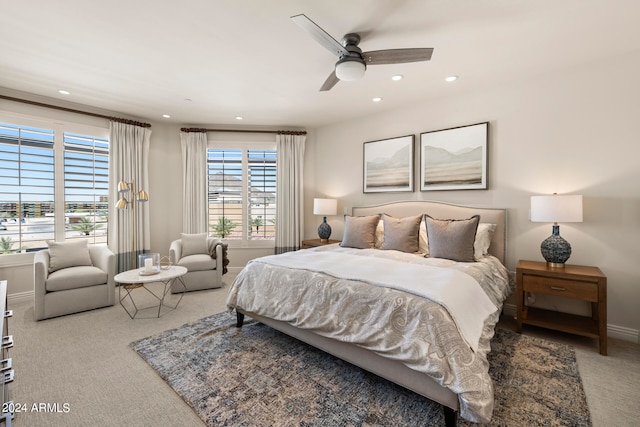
388	165
454	159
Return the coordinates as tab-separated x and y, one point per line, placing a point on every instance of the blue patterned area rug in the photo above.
257	376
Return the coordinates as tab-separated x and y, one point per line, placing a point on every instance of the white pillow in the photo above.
423	242
484	234
379	236
68	254
193	244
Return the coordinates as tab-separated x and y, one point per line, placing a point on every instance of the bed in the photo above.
365	302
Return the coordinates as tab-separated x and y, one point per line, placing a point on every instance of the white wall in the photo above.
574	131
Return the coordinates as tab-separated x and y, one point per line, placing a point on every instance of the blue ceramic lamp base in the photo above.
324	231
555	250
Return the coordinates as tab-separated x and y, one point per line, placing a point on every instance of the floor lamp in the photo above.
141	196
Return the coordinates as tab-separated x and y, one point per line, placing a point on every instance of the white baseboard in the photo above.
613	331
20	297
622	333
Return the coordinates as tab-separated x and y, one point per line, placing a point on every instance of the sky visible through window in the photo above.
28	199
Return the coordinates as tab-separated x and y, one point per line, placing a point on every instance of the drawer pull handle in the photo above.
5	364
6	342
7	376
558	288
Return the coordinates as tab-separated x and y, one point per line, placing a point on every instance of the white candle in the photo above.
148	265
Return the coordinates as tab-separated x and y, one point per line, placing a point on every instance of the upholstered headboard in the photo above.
442	210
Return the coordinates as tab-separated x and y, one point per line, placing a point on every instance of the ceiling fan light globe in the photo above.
350	70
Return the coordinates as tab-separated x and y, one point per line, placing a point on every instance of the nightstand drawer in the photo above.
586	291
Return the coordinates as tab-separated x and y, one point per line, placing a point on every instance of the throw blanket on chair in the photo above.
225	258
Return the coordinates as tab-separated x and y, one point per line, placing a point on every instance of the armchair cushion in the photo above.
194	244
198	262
68	254
75	277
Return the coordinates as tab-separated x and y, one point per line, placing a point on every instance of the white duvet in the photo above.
397	324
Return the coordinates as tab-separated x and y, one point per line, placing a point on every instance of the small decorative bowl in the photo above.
165	263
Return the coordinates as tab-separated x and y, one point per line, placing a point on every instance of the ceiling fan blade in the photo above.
397	56
330	82
320	35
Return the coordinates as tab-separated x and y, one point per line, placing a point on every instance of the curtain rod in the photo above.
71	110
282	132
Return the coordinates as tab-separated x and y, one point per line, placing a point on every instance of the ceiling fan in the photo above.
353	62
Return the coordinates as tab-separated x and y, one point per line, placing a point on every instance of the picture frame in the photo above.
388	165
454	158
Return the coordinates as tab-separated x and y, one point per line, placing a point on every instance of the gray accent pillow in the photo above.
359	231
68	254
401	234
193	244
452	238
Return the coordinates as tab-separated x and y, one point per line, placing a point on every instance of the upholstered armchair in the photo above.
204	258
71	277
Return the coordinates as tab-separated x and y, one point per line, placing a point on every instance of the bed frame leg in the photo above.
239	319
449	416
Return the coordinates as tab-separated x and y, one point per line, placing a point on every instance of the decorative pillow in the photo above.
68	254
379	237
483	239
193	244
451	238
359	231
423	243
401	234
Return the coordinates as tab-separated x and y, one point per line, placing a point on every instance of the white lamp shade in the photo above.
555	208
325	207
350	70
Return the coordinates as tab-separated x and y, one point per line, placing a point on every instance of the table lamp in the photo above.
324	207
567	208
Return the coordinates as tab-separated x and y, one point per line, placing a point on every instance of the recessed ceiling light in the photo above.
64	92
451	78
377	99
397	77
239	118
166	116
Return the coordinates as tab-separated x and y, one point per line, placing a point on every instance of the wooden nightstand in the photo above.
312	243
572	281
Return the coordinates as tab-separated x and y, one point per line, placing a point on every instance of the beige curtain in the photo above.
128	161
289	187
194	182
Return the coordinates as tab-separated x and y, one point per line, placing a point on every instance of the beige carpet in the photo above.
85	360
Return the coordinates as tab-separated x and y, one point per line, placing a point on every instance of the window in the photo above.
242	194
86	187
33	207
27	191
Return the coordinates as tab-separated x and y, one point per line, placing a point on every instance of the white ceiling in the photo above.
145	58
